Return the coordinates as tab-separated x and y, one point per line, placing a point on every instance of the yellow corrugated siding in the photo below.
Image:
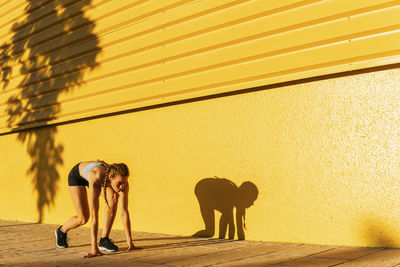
10	12
152	52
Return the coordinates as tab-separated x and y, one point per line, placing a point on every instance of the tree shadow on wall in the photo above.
223	195
53	47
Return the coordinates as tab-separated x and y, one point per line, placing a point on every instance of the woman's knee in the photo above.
111	199
83	219
113	205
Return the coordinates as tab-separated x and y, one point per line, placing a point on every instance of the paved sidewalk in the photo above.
30	244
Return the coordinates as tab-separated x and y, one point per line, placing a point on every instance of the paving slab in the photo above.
33	244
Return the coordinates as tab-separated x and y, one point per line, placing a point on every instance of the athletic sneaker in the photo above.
107	245
61	238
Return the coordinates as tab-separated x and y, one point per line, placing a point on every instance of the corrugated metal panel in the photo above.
106	56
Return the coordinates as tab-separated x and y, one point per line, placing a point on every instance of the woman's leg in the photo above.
109	216
207	212
109	213
80	200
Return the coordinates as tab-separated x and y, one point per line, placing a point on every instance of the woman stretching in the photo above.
97	176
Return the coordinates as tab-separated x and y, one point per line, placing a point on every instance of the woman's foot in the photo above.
107	245
61	238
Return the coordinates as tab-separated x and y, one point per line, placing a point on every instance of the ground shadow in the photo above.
49	52
183	244
223	195
187	242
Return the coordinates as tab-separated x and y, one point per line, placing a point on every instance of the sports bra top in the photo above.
91	166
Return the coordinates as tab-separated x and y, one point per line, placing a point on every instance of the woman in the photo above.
97	176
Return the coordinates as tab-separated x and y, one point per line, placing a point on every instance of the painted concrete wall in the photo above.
324	156
87	80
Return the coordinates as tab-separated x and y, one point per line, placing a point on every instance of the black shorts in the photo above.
75	179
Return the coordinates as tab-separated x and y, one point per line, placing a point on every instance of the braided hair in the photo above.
248	193
112	170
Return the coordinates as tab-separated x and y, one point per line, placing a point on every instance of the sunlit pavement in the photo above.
30	244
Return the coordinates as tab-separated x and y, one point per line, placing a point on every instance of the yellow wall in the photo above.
74	59
323	154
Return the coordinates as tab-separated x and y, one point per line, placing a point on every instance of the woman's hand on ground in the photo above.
93	253
131	246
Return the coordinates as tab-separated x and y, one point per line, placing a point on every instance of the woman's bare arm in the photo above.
239	222
125	218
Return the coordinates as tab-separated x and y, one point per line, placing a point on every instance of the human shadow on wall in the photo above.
223	195
379	233
54	46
